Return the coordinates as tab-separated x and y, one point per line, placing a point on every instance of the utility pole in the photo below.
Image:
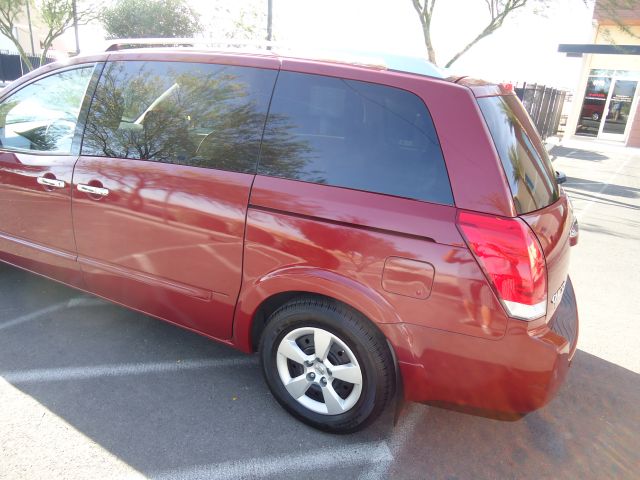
270	20
33	50
75	25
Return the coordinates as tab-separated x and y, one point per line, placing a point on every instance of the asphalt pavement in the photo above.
92	390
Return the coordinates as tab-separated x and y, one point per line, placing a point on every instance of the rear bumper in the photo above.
517	374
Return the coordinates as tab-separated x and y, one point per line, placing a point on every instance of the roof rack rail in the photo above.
337	54
318	53
123	43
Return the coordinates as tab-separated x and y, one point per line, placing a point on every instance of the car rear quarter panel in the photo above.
552	226
335	242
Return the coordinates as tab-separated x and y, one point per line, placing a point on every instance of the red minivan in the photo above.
368	228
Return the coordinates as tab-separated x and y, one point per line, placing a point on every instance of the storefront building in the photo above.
606	100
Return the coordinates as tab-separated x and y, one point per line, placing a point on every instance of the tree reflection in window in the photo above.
202	115
353	134
523	157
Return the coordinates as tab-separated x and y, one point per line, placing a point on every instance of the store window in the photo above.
608	104
595	99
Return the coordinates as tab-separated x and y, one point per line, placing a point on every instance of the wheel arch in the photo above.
261	298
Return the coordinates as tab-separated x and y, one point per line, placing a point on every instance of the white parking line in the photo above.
401	434
322	458
71	303
34	315
116	370
582	213
88	302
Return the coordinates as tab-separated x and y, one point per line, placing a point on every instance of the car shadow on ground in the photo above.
94	365
584	185
590	430
172	421
617	232
578	153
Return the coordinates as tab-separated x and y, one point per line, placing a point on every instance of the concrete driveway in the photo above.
92	390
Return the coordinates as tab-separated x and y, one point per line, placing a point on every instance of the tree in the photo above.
57	16
499	10
9	11
150	18
248	24
240	21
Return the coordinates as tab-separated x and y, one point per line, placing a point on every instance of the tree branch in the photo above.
58	17
419	9
425	13
9	11
498	10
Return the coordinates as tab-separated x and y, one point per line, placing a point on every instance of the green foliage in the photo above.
57	16
150	18
9	11
246	20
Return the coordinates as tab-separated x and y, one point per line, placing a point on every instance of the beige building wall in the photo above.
576	108
607	35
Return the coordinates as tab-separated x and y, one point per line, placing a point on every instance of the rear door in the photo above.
37	155
537	197
162	186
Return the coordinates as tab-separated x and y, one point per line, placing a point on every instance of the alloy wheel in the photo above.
319	370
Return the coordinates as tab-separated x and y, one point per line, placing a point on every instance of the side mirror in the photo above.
561	177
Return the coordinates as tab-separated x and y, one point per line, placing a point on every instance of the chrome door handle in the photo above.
51	182
103	192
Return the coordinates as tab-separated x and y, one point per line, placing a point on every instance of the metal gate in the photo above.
544	105
12	66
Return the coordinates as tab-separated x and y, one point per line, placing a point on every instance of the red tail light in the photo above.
512	258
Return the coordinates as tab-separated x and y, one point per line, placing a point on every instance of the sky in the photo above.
524	49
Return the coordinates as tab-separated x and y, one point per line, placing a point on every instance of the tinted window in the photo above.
202	115
523	156
353	134
42	116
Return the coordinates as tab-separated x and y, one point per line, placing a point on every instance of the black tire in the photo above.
360	336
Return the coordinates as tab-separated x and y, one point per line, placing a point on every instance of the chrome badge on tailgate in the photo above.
558	295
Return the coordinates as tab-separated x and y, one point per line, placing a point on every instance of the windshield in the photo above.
523	156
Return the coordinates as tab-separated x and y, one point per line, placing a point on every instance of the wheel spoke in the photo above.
332	400
347	373
313	348
322	342
291	350
298	386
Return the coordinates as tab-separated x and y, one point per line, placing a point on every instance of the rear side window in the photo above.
201	115
523	156
353	134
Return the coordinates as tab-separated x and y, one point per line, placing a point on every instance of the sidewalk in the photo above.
603	182
588	143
